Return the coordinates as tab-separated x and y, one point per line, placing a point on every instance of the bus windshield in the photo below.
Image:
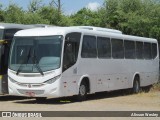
35	54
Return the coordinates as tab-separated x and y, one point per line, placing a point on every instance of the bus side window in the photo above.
147	50
154	50
89	47
130	49
139	50
71	49
104	47
117	48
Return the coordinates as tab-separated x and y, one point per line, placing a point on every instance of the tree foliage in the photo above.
86	17
136	17
34	5
13	13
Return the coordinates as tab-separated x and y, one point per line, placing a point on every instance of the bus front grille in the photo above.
36	92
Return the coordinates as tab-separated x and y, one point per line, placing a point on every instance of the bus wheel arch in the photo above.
136	84
84	88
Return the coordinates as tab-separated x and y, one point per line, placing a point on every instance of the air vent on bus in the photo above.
100	29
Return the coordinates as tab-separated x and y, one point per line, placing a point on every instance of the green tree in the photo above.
13	14
1	13
34	18
50	14
86	17
34	5
57	4
135	17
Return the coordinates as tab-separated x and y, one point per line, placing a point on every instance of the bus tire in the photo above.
136	86
82	91
40	99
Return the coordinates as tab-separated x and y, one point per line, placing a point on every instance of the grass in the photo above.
156	87
152	90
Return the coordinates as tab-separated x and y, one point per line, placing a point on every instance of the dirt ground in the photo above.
112	101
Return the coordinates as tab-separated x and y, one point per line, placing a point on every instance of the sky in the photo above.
68	6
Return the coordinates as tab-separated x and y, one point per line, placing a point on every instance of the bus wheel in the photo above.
136	86
82	91
40	99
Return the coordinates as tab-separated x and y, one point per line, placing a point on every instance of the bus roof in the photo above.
12	25
48	31
99	29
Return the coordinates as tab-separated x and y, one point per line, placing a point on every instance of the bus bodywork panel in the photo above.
34	89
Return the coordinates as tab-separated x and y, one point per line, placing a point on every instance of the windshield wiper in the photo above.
34	59
24	61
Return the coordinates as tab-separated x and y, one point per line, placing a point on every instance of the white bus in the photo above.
66	61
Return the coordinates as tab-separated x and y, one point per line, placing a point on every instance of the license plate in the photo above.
30	94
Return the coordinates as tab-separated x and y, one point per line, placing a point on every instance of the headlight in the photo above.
12	80
50	81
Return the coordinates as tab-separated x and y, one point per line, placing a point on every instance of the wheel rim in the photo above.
82	90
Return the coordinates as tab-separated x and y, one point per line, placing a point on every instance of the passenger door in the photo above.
70	55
